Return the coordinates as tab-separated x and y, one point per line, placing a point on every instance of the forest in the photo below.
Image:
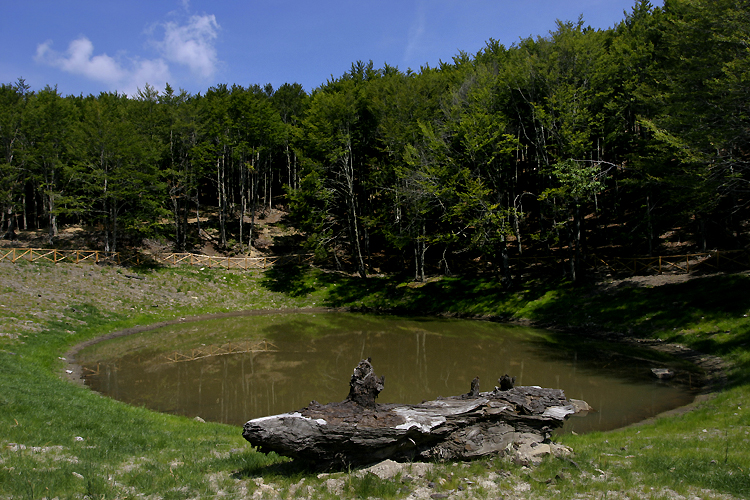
615	140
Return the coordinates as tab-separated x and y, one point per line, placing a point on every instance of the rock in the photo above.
533	452
662	373
384	470
582	407
358	431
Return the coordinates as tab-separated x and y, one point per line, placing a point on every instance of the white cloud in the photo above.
124	76
78	60
189	44
192	44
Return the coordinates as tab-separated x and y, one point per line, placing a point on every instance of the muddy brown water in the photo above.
234	369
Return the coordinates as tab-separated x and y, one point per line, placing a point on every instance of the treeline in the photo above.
583	137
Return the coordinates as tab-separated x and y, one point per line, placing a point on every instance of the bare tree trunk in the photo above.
270	185
254	188
52	217
649	227
25	220
222	200
348	164
420	249
185	225
198	209
444	261
114	226
177	226
243	201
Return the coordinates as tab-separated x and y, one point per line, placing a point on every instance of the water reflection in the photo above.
185	368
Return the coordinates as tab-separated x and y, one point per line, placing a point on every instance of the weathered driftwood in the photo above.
359	431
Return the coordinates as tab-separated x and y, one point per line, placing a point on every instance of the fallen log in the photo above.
358	431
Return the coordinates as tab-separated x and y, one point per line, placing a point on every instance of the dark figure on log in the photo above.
506	382
474	391
365	386
358	431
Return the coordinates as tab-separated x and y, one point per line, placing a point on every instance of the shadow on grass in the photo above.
291	278
467	295
677	312
251	463
648	309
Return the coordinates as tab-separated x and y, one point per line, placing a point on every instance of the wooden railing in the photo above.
75	256
120	258
675	264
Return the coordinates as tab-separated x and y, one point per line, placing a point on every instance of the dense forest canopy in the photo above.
580	139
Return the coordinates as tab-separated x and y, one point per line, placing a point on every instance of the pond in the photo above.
232	369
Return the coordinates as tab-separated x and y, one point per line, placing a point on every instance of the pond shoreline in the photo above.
711	382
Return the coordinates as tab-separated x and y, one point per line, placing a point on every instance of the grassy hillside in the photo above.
58	439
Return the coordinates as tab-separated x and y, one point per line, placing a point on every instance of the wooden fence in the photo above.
120	258
74	256
675	264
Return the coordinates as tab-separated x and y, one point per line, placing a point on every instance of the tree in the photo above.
115	178
51	128
13	99
291	100
340	129
256	132
702	122
577	183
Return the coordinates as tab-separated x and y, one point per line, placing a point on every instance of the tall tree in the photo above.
116	177
51	124
13	99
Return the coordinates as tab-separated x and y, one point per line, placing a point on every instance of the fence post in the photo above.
660	264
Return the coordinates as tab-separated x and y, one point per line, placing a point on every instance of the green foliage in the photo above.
440	166
577	182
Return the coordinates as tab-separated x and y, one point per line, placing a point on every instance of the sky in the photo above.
87	47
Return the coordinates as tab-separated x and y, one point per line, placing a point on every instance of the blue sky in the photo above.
86	47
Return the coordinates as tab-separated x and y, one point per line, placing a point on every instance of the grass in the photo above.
61	440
